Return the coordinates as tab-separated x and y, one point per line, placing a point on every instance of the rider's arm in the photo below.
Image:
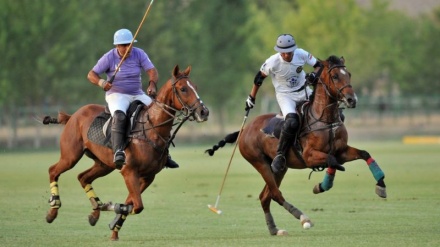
259	78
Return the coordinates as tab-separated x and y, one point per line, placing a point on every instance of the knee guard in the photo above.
291	123
119	121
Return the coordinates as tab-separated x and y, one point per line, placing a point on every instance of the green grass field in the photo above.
176	212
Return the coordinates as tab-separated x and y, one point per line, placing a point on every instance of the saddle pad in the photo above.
96	134
273	128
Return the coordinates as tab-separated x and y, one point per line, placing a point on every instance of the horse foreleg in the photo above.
378	174
133	203
116	225
327	182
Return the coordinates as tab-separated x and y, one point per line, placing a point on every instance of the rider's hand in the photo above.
311	77
105	85
250	102
151	90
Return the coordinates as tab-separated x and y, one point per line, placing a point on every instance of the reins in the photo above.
184	114
328	125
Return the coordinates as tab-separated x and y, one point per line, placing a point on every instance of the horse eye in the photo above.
335	77
183	89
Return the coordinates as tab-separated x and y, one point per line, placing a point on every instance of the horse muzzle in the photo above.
350	100
201	114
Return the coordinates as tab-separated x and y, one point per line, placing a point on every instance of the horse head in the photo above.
180	94
336	80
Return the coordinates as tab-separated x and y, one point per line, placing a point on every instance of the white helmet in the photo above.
122	36
285	43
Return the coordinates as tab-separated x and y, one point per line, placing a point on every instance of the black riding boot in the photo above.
118	138
286	139
171	163
341	114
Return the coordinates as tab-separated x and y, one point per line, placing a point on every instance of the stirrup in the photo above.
119	159
278	164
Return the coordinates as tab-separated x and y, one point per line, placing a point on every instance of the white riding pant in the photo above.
119	101
287	101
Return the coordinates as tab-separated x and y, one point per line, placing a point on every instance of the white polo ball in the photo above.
307	225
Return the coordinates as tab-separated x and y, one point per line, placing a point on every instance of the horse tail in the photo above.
231	138
61	119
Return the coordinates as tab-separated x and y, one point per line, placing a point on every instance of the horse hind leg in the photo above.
86	178
271	192
265	200
55	171
378	174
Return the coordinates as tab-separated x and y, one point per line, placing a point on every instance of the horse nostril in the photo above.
205	112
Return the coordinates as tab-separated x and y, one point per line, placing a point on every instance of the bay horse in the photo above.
322	137
146	152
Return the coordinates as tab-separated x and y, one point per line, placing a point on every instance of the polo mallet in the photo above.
131	43
215	207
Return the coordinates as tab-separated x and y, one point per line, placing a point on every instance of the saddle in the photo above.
275	124
100	129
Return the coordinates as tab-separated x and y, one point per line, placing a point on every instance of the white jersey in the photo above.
288	77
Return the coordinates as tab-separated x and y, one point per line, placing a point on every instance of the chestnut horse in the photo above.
322	137
146	152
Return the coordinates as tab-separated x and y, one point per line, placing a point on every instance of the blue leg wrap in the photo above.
375	169
327	183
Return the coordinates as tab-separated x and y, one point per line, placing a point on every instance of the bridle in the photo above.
185	113
187	109
339	96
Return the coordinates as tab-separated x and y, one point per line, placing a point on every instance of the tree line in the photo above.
48	46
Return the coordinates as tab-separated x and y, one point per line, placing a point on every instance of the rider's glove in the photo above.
250	102
311	77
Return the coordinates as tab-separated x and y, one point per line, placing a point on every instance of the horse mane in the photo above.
334	60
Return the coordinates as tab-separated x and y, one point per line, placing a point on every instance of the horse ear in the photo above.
342	59
176	70
187	70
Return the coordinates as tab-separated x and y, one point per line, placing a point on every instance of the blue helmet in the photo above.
122	36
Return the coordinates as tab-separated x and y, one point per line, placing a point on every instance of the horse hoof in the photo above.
51	215
92	220
317	189
115	236
282	232
381	191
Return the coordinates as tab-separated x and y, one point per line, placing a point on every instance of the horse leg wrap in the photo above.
117	223
123	209
327	182
273	230
54	201
294	211
375	169
94	199
96	203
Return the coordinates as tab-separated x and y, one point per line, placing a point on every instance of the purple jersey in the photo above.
128	78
